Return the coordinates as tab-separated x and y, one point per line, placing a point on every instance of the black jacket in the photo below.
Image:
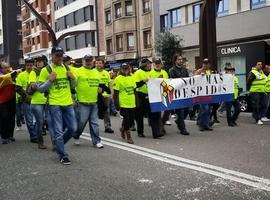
178	72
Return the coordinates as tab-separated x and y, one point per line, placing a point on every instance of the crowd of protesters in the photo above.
62	99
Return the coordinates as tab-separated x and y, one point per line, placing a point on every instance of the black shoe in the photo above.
234	123
211	123
157	137
133	128
141	135
44	133
208	129
109	130
11	139
65	161
34	140
185	132
216	121
5	141
230	124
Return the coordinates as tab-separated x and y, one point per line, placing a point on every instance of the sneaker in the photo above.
121	116
65	161
173	116
77	142
265	119
109	130
260	122
99	145
168	123
18	129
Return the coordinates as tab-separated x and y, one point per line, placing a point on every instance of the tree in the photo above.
167	44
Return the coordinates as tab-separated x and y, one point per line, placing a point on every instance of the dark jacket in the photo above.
178	72
250	79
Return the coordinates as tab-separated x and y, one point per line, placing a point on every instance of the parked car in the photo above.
245	102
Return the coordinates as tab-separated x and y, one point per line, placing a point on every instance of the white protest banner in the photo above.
169	94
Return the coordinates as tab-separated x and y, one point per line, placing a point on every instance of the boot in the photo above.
123	134
41	143
129	139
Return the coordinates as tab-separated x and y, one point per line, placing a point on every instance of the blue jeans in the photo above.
265	105
29	118
88	113
63	120
49	122
236	111
204	116
38	112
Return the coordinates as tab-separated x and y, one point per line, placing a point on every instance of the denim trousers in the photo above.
30	120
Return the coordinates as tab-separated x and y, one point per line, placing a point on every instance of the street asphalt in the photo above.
120	171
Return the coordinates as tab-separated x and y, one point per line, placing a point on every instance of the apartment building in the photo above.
11	33
243	31
76	15
36	38
130	29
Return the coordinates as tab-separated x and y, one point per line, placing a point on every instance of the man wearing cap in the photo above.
88	87
231	119
21	89
38	100
158	72
204	114
58	82
256	86
105	79
143	107
180	71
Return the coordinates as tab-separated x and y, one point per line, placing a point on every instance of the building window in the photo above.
109	46
164	22
89	13
129	8
119	43
147	39
196	12
67	44
118	10
90	39
108	17
176	17
130	41
257	3
38	39
223	8
146	6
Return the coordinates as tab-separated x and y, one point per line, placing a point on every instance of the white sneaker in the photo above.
168	123
121	116
265	119
18	129
77	142
260	122
173	116
99	145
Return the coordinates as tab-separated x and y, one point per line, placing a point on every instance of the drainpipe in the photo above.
97	28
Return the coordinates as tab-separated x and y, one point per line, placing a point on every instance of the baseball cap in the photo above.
206	61
67	58
145	61
157	61
29	60
88	57
57	50
124	66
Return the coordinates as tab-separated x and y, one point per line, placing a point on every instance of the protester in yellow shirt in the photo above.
105	78
124	97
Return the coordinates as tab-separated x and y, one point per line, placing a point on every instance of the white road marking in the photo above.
145	181
246	179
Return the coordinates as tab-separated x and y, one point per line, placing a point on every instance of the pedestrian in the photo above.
87	89
19	113
125	101
21	89
267	95
180	71
143	106
158	72
7	103
256	86
57	80
38	100
105	79
231	119
204	114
